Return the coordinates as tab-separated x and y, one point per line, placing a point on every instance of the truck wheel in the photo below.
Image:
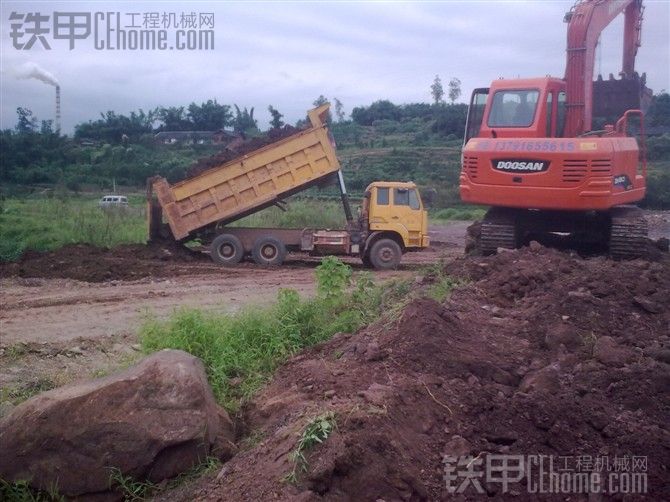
385	254
226	249
269	251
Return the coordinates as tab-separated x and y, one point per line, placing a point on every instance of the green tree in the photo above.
276	121
27	122
436	90
173	118
454	89
659	111
244	121
339	110
209	116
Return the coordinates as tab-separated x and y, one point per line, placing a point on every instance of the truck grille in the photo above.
470	166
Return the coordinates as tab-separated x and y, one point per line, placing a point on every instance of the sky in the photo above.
286	54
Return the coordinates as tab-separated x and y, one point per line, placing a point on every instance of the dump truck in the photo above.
391	221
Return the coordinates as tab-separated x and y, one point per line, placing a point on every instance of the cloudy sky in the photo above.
288	53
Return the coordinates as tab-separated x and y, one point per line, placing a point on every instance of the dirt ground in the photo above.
539	352
75	313
542	353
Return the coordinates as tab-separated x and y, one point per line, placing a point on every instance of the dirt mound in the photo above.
84	262
543	353
239	149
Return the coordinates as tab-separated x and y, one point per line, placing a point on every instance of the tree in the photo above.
173	119
659	111
436	90
27	122
454	89
322	100
209	116
339	110
276	121
244	121
379	110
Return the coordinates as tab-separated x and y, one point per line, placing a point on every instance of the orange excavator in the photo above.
531	152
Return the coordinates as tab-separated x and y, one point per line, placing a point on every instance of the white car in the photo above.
113	201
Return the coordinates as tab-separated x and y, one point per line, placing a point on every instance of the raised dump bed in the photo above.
249	183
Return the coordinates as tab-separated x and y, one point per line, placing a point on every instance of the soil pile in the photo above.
239	149
542	353
84	262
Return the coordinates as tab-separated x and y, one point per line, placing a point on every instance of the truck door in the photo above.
407	211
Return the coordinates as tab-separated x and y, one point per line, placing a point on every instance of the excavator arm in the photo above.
586	21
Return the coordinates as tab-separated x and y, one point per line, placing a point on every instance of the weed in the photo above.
249	345
25	391
316	432
134	490
20	491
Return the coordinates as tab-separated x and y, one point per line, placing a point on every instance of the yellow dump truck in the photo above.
392	220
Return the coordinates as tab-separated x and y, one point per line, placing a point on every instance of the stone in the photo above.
647	305
457	446
543	380
373	352
535	246
562	334
151	421
609	352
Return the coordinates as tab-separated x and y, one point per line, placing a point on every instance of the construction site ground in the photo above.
511	362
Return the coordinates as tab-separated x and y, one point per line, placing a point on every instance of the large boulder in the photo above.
151	421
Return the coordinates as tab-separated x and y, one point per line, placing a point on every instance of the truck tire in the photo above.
385	254
268	251
226	249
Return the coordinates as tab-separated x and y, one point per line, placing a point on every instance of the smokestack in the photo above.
31	70
57	125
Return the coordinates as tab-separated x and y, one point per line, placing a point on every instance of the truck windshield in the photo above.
513	108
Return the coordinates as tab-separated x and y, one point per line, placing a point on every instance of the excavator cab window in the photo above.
475	113
513	108
560	114
550	114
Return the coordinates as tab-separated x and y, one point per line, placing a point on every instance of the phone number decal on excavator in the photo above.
524	146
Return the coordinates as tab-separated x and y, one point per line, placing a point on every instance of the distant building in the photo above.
195	137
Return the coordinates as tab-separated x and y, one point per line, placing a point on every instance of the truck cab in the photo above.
396	220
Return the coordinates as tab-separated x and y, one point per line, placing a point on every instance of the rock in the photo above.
376	394
151	421
76	350
609	352
457	446
329	394
562	334
373	352
544	380
648	305
535	246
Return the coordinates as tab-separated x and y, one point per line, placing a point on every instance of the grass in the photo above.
43	224
133	490
316	432
300	213
463	213
20	491
241	350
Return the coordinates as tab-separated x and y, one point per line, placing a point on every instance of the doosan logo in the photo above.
514	165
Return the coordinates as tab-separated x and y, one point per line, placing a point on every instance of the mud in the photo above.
542	352
84	262
239	149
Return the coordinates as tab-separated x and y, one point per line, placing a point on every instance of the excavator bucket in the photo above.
612	97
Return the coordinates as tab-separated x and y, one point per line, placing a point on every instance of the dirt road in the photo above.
55	330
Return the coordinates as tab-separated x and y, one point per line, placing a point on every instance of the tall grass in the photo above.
464	213
241	350
44	224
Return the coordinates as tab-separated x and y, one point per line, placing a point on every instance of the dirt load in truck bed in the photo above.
540	352
246	146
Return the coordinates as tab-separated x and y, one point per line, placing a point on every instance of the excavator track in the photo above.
628	233
498	231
